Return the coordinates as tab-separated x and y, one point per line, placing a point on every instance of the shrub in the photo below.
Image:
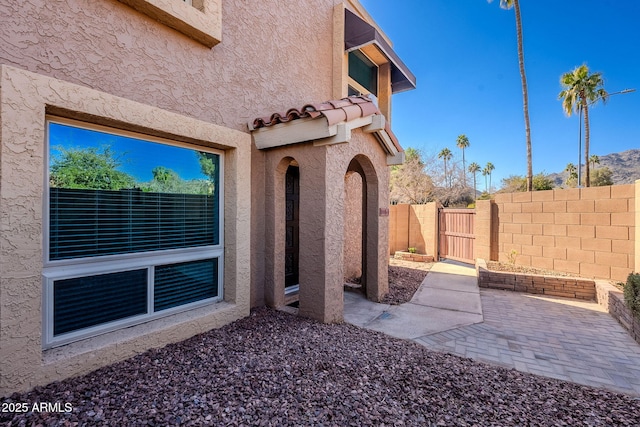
413	250
632	293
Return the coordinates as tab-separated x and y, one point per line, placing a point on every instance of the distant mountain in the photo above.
625	167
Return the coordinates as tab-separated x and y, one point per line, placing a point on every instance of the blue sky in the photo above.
464	55
138	157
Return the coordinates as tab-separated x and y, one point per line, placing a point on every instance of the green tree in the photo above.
518	183
208	164
515	4
474	168
572	178
581	90
446	155
463	142
594	160
88	168
601	176
166	180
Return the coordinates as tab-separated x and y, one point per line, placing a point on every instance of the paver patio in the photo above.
561	338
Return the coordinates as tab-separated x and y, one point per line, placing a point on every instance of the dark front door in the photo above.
292	207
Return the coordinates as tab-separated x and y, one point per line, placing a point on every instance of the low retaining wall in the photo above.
567	287
619	311
408	256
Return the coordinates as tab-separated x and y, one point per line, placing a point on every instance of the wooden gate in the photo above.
456	234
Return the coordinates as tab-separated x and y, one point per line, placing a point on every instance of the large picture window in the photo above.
133	229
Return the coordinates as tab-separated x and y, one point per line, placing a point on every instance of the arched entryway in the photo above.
354	228
342	152
361	239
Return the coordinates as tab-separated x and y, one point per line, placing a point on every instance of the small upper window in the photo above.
363	73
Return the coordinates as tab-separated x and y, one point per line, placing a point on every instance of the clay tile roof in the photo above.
335	111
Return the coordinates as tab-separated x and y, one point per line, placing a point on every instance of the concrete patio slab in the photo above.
360	311
411	321
446	299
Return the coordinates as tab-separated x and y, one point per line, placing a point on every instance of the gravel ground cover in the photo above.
403	283
276	369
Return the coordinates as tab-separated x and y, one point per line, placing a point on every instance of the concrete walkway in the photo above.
554	337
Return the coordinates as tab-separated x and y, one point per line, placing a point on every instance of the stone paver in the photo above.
553	337
561	338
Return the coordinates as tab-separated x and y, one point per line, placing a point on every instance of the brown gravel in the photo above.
404	279
276	369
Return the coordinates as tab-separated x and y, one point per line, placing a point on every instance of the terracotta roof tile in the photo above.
335	111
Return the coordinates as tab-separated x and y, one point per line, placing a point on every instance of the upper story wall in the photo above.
272	55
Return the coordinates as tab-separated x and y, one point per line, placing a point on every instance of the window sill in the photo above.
138	338
204	26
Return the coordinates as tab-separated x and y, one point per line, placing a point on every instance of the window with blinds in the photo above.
363	72
133	229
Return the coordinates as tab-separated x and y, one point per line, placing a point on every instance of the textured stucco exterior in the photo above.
147	66
353	226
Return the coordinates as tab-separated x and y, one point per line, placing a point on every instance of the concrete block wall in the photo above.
589	232
414	226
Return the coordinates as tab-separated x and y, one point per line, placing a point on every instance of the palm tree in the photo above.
445	154
573	174
508	4
474	168
462	143
593	160
489	167
485	172
582	89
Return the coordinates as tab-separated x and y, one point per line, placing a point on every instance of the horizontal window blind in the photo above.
88	223
183	283
112	193
83	302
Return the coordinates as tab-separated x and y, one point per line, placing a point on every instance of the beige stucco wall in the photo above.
263	64
353	226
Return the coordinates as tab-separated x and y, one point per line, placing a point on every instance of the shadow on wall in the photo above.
416	238
353	185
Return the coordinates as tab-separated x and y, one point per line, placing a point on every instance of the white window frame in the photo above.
95	265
